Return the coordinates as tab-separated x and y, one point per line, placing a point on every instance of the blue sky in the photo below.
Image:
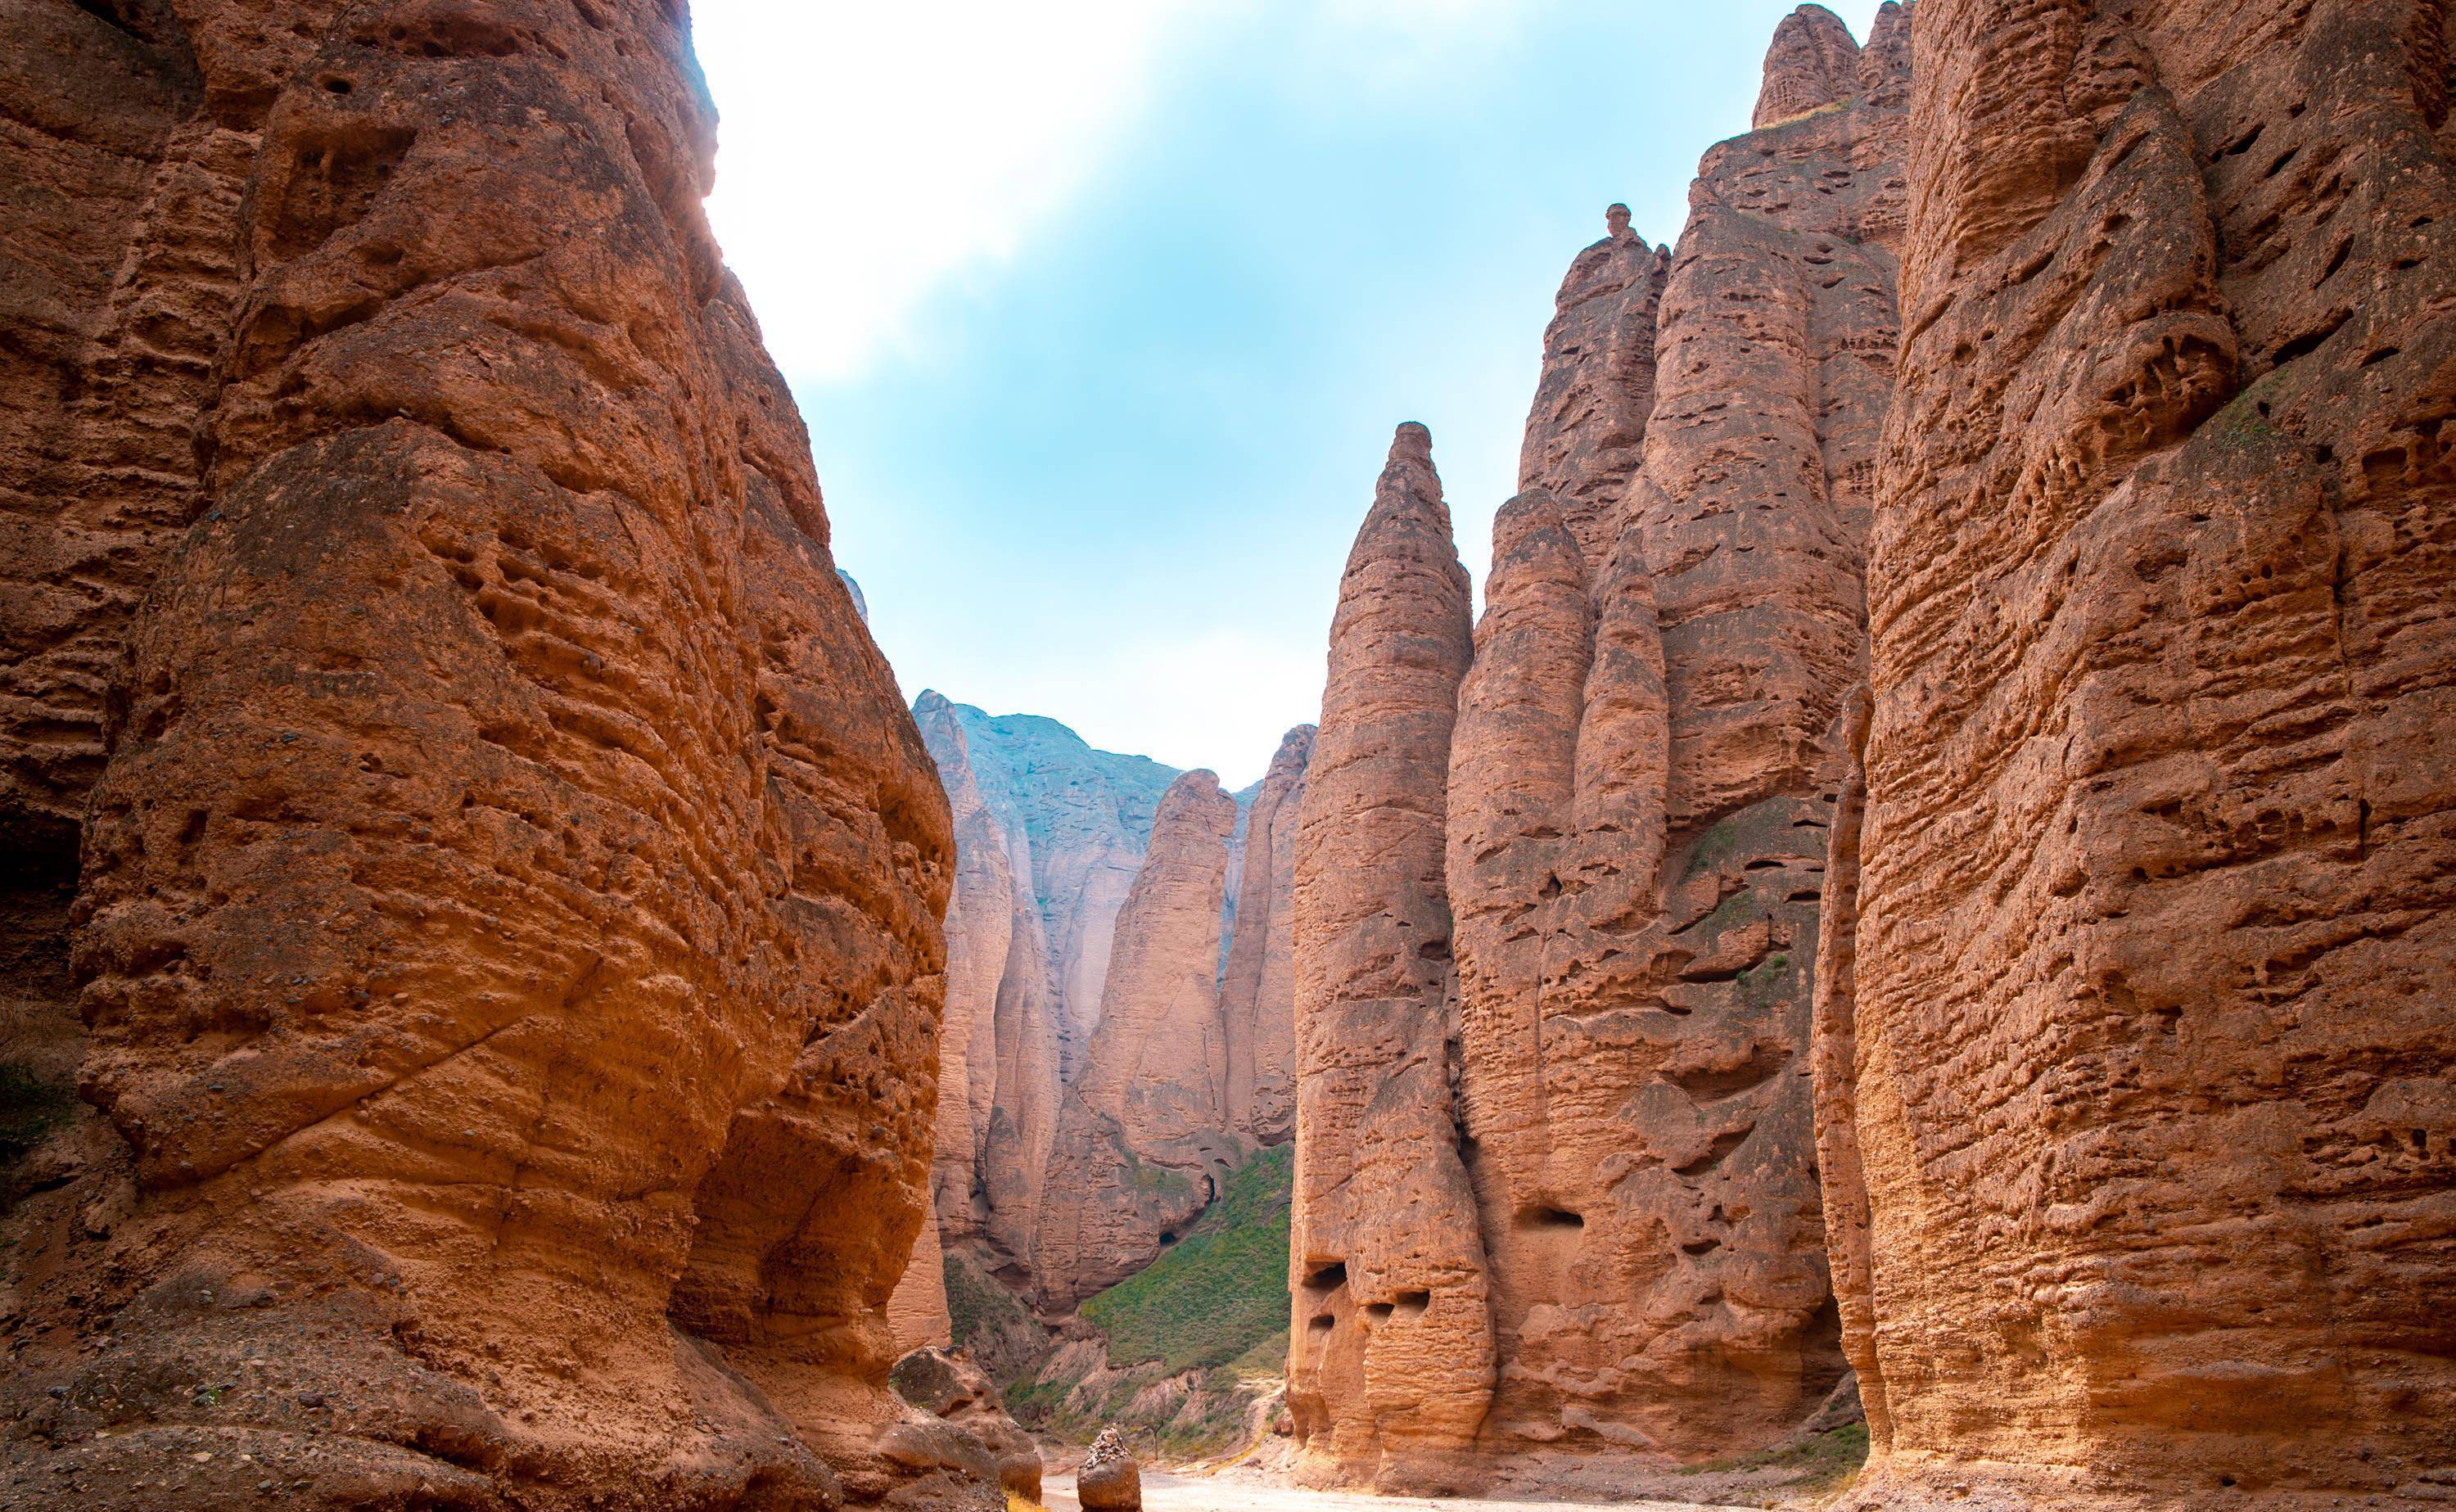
1101	313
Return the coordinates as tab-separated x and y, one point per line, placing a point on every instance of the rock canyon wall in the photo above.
476	857
1951	872
1059	1172
2138	1092
1631	811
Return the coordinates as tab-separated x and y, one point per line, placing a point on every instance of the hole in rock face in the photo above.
1321	1322
1412	1304
1327	1279
1167	1237
1378	1311
1544	1216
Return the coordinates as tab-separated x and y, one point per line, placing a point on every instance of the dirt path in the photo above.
1169	1493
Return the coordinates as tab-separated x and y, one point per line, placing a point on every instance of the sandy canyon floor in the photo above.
1163	1492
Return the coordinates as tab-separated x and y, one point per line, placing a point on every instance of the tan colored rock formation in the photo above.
1035	807
949	1384
916	1311
505	867
1391	1361
1142	1141
1257	982
1109	1479
1050	836
1001	1030
2148	1096
1634	813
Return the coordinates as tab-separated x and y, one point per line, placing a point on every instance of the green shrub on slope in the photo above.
1219	1292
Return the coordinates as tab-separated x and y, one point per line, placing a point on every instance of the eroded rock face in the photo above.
1142	1141
1391	1361
1050	836
2148	1097
947	1384
506	865
1810	64
1257	981
1635	810
1587	426
1638	800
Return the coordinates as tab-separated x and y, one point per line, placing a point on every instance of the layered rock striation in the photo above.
2138	1088
1633	807
500	862
1640	796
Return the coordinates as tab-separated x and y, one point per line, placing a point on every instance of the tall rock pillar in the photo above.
1391	1355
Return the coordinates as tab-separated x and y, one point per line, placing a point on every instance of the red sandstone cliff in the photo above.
1391	1363
1257	980
504	864
1638	804
1143	1141
2139	1090
1633	809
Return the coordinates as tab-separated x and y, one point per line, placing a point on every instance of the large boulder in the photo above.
1109	1479
945	1383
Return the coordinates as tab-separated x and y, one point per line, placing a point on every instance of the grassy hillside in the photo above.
1217	1294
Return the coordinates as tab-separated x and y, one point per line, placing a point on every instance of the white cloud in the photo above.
873	150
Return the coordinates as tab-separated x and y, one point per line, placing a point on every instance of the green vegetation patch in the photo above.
1826	1461
1714	846
1220	1292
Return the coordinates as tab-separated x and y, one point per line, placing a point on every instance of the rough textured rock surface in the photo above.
1050	835
1638	808
1257	980
1142	1141
1391	1362
504	864
2148	1092
948	1384
1634	811
1588	425
1810	64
